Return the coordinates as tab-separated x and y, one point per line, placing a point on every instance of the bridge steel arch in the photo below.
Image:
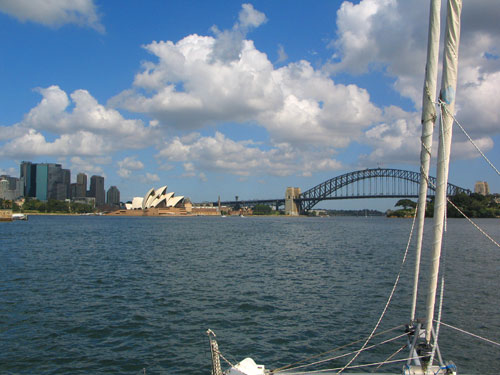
371	183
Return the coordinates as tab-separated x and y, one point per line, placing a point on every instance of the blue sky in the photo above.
235	98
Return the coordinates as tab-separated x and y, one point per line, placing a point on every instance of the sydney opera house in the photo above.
156	203
158	198
161	203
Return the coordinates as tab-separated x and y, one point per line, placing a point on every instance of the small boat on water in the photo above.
19	216
423	354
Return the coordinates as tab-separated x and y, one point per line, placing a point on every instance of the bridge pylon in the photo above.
292	207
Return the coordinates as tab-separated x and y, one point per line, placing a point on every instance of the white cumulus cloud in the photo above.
127	165
188	89
243	158
89	165
390	37
54	13
55	128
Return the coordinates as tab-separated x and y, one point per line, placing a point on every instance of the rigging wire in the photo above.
351	367
429	182
390	296
392	356
442	105
470	139
347	354
471	334
288	367
474	224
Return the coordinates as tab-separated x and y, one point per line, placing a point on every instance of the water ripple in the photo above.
107	295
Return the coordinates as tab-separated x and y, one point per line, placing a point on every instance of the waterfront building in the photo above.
42	178
52	182
28	175
482	187
73	187
113	197
66	182
81	180
97	190
158	198
78	190
45	181
12	182
10	188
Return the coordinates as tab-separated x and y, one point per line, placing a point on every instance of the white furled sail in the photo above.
428	122
447	99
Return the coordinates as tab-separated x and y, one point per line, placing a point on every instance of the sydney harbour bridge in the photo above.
367	183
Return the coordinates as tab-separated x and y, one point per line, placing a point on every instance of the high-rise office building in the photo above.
42	181
61	184
52	182
97	190
79	189
46	181
11	188
73	190
113	196
81	178
56	188
28	176
5	192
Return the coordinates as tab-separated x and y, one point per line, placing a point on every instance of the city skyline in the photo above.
47	181
245	98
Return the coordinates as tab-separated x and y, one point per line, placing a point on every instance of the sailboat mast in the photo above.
447	97
428	121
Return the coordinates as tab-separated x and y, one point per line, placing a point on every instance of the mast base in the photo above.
448	369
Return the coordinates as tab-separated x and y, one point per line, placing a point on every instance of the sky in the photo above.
229	98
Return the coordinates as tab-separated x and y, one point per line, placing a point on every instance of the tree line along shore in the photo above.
473	205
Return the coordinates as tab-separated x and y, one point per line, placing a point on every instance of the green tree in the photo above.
15	207
5	204
262	209
54	205
34	205
81	208
474	205
405	203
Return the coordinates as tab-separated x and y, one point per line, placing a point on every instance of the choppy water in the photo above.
115	295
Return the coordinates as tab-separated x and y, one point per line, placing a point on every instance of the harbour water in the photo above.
117	295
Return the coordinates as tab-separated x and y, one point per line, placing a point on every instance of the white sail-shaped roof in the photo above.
154	198
168	196
147	198
174	200
137	203
157	197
